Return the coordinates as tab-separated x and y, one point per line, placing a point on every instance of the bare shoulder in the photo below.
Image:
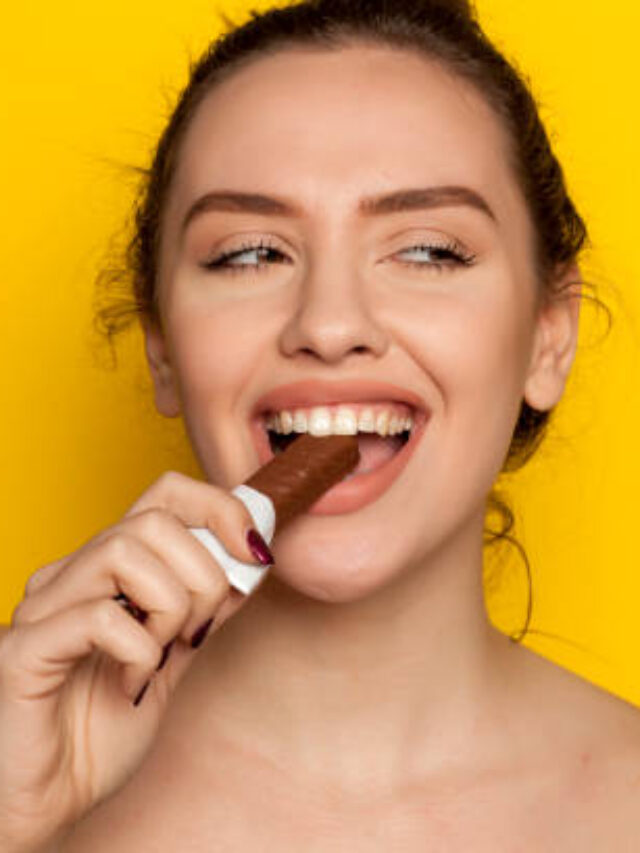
592	735
573	760
4	629
578	707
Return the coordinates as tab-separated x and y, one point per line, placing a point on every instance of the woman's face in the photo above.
437	298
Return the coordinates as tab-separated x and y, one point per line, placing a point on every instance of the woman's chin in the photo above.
329	582
329	591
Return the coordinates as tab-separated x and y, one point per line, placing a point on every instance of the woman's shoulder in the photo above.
571	714
565	696
589	742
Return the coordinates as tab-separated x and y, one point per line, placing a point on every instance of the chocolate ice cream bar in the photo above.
280	490
296	478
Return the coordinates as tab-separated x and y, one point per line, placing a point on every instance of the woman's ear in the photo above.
164	380
555	341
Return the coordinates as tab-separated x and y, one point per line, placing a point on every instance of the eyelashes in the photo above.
443	255
220	263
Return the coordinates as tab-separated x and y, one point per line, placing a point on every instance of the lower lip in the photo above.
350	495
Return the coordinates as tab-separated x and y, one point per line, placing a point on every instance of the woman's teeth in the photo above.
341	421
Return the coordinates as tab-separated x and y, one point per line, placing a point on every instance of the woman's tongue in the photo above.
375	451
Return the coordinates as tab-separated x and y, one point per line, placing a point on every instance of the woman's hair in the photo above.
442	30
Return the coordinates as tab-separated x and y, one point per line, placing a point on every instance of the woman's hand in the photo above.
74	659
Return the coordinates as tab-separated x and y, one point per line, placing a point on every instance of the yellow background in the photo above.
85	90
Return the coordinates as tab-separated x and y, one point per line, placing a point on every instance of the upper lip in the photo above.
311	393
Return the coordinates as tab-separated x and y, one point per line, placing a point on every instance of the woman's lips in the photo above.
312	393
356	491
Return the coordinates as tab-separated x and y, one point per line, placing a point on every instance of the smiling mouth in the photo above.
382	430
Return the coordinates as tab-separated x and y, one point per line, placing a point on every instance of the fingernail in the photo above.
138	698
131	607
200	634
259	548
165	655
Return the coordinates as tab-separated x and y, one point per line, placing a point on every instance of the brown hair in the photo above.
444	30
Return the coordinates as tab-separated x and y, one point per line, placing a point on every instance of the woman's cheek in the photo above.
475	353
211	347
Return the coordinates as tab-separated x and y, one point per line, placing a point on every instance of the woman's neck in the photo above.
406	683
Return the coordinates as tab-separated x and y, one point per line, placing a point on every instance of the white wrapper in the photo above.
243	576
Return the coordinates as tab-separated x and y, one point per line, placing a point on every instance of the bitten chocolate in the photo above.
296	478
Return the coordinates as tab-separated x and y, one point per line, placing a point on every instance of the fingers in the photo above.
35	658
151	558
42	576
199	504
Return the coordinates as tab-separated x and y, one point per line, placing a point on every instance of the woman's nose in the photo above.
331	319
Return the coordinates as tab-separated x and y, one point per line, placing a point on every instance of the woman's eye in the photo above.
244	258
261	256
438	256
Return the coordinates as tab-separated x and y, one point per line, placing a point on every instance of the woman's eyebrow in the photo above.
234	201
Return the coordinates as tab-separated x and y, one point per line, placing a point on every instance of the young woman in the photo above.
354	206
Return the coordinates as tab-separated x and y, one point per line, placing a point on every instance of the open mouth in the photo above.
381	431
375	450
383	457
279	442
388	420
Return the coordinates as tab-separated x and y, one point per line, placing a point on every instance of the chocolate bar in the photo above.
296	478
283	488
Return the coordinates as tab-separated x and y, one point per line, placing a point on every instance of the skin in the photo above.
363	683
385	654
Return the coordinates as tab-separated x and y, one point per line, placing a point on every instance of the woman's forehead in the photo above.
304	117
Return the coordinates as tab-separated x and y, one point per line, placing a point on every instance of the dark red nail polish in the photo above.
138	698
131	607
165	655
200	634
259	548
